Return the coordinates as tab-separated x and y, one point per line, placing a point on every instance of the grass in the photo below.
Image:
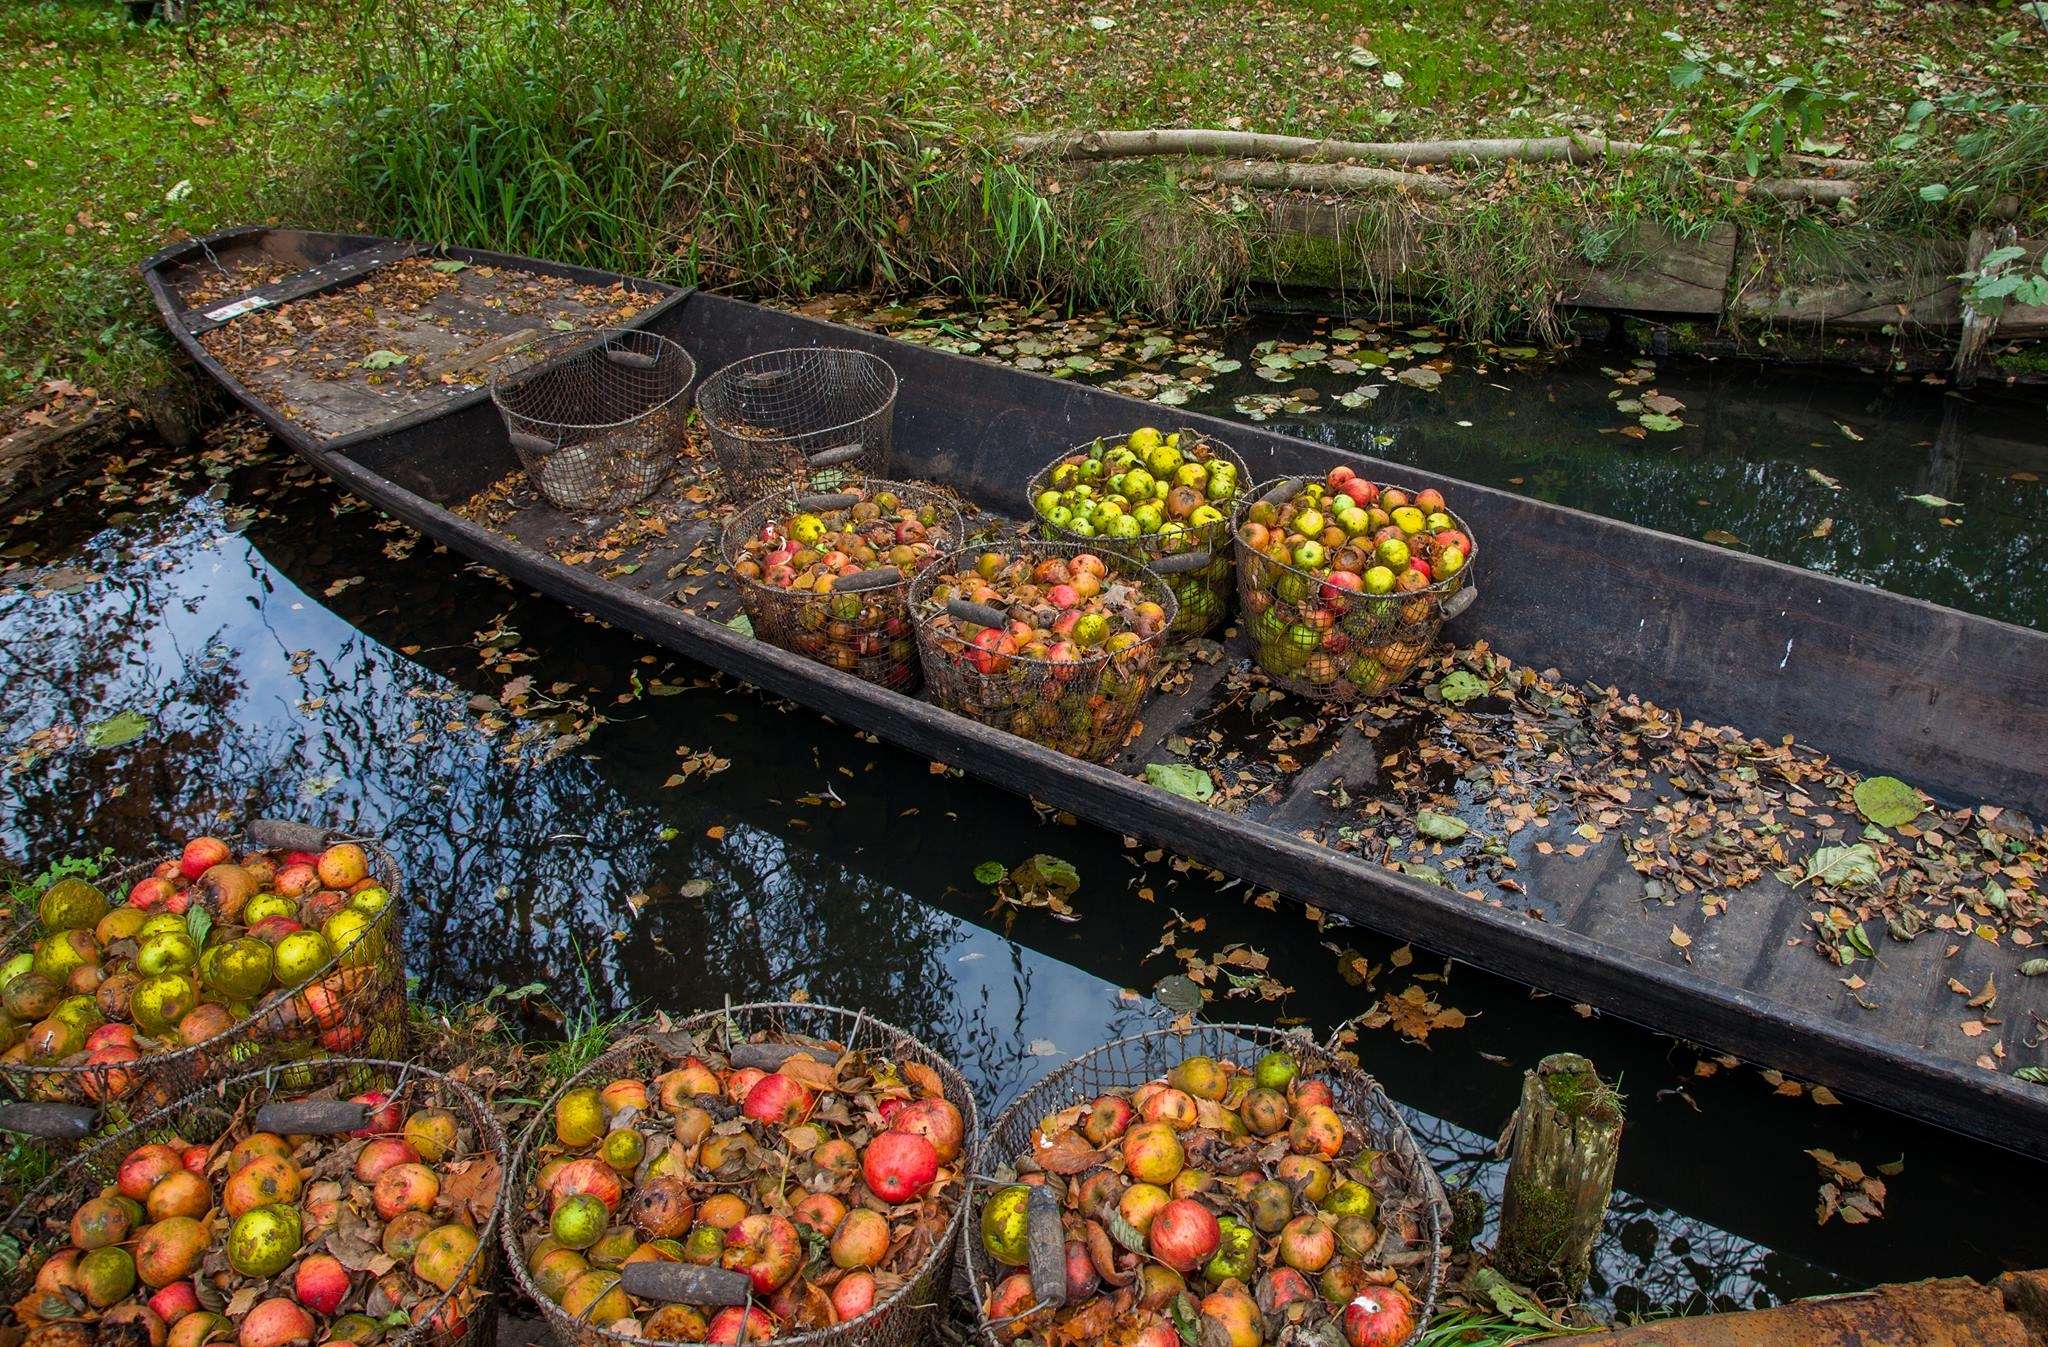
792	149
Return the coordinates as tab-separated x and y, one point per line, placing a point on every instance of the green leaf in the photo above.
1844	867
198	921
1932	501
2032	1075
1124	1233
562	325
383	360
1887	801
1443	827
1659	421
1190	783
1047	872
742	624
2034	968
990	872
1859	941
1460	686
1721	538
116	730
1934	191
448	266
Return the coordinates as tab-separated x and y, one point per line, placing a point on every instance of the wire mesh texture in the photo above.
861	623
898	1318
597	420
1080	700
219	1115
353	1003
1413	1211
807	418
1313	638
1194	560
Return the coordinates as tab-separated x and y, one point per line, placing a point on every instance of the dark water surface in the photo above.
292	653
1821	469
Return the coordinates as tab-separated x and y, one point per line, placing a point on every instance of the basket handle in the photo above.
620	355
1047	1245
1181	561
981	614
526	442
1281	490
770	1056
1460	601
830	500
881	577
284	834
311	1117
51	1122
763	378
686	1283
839	453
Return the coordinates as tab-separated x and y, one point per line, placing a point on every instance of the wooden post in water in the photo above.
1563	1142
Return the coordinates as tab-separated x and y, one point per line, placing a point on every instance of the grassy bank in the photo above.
790	149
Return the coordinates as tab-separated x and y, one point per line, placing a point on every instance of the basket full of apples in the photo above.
1164	500
349	1200
1345	582
781	1171
827	575
1050	641
126	993
1220	1184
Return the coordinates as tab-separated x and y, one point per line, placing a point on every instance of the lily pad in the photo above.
1443	827
1887	801
116	730
990	872
1659	421
1420	376
1191	783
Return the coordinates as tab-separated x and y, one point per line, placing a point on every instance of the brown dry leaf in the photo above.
1680	938
1415	1013
1068	1153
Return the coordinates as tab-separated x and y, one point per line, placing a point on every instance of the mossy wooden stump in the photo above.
1563	1143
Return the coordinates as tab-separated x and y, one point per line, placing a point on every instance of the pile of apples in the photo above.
1343	583
808	553
195	947
1072	659
273	1241
1157	495
827	1182
1230	1203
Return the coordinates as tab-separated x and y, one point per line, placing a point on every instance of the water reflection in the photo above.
296	655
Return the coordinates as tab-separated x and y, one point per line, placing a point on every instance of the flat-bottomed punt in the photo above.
1955	704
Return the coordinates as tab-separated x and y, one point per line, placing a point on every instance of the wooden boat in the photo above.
1956	704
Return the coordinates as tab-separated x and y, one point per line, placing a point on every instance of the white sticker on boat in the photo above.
236	309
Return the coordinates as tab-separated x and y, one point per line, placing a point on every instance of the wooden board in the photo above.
1874	678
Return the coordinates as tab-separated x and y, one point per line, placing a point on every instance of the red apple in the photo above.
899	1166
1184	1235
937	1121
1379	1316
778	1099
321	1283
202	854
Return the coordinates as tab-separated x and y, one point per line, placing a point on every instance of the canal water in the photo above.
191	639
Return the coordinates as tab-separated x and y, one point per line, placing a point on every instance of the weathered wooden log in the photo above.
1977	324
1321	178
1947	1312
1563	1143
1467	151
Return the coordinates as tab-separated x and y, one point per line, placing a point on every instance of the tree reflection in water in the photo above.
296	667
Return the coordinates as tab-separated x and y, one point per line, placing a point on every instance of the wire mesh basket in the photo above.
352	1003
1320	640
861	623
597	421
299	1100
1078	696
1412	1211
805	418
899	1316
1193	559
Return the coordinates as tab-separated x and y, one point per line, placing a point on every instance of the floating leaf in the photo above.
1047	872
1190	783
1844	867
1460	686
1830	483
1932	501
990	872
1443	827
1722	537
383	360
116	730
1887	801
1659	421
1420	376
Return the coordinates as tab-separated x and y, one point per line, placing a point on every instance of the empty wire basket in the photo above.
803	418
597	420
